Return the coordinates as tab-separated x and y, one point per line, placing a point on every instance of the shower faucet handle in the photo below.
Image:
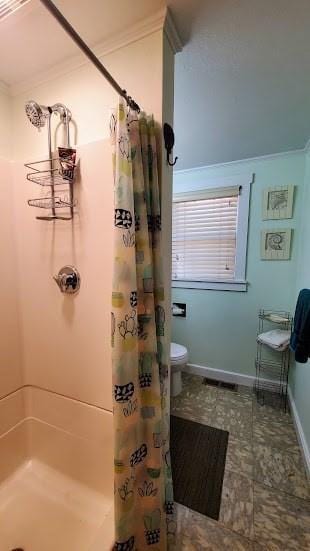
68	280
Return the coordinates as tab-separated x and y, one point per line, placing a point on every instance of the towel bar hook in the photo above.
169	143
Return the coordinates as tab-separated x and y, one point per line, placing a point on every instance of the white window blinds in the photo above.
204	229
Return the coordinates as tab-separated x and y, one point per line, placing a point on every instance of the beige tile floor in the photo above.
266	496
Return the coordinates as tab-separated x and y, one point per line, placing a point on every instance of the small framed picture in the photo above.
276	244
278	202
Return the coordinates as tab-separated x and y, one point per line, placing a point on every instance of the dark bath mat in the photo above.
198	455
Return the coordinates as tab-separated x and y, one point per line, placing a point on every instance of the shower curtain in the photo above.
143	484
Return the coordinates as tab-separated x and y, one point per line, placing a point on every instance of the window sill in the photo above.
232	285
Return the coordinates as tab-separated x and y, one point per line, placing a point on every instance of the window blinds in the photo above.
204	228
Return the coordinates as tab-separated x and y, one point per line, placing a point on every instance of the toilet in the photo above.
178	359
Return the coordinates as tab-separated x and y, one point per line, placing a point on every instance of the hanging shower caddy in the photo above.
272	366
54	175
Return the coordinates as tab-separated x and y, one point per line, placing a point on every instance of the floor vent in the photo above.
220	384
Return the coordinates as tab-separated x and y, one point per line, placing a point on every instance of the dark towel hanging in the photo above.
300	340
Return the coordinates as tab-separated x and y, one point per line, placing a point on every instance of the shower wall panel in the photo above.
138	67
13	440
6	122
10	357
66	340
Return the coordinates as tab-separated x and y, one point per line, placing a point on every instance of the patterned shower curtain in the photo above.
143	483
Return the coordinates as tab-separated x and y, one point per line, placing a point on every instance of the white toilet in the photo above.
178	359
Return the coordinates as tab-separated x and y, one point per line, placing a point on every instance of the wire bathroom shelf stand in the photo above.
272	366
271	382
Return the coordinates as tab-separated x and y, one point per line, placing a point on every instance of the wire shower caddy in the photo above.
56	174
50	178
272	366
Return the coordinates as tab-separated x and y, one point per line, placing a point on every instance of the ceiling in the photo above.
242	86
242	81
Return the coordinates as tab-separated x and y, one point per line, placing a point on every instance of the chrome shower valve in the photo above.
68	280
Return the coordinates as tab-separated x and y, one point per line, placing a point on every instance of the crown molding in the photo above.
271	156
161	20
172	34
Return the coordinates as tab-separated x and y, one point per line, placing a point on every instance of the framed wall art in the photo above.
276	244
278	202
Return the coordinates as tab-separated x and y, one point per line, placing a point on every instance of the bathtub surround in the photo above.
54	460
6	122
13	447
56	429
10	353
55	463
78	325
42	492
55	368
43	248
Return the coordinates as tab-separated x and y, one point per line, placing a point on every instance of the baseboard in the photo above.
225	376
220	375
300	433
248	380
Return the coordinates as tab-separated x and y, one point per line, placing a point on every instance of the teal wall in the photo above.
220	328
300	374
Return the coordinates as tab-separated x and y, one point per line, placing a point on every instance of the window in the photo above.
209	238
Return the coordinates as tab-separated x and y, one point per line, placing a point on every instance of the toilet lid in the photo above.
177	351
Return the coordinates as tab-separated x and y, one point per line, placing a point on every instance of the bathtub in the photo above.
56	473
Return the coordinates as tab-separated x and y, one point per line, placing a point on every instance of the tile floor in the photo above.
266	496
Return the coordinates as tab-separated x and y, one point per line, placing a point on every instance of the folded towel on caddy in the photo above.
278	339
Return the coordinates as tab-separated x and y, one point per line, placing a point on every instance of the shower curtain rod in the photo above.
56	13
